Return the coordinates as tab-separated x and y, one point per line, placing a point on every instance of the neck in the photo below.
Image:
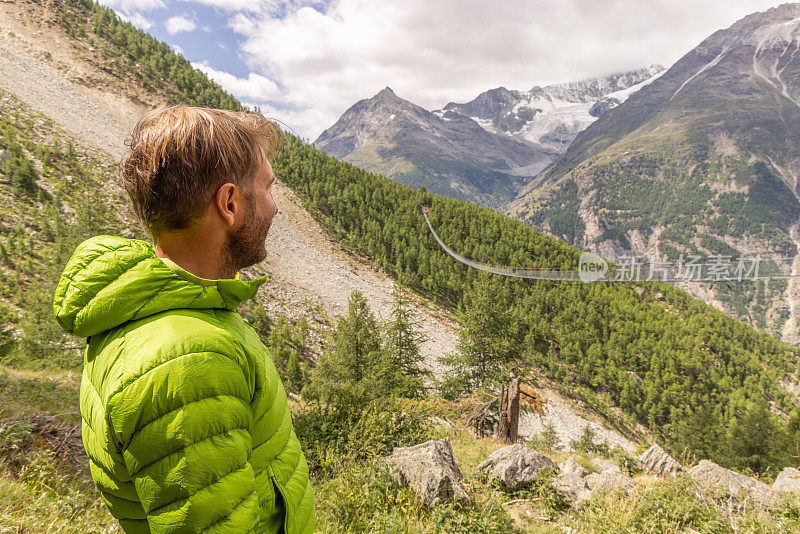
198	250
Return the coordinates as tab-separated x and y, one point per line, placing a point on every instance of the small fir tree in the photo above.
403	359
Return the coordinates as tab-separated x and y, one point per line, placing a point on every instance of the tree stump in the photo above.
508	427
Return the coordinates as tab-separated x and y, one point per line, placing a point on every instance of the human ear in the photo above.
227	202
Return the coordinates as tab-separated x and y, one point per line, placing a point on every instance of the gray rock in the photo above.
787	481
430	470
572	486
4	156
603	105
655	460
608	481
571	467
603	465
516	465
578	489
709	473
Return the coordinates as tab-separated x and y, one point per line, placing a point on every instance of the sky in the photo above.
305	62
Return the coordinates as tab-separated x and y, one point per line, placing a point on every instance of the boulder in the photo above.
571	467
604	465
571	486
656	461
516	465
709	473
608	481
578	489
430	470
787	481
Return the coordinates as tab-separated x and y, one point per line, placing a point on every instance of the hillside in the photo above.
646	359
576	333
704	160
55	89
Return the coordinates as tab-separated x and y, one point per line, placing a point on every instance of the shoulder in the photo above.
164	339
175	358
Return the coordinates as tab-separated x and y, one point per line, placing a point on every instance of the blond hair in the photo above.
180	155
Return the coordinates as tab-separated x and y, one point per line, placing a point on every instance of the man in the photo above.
185	421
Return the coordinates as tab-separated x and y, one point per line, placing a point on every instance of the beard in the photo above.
246	245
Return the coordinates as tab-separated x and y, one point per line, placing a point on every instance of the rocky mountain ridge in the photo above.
447	154
554	114
484	150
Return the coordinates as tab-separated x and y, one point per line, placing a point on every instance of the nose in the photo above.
272	198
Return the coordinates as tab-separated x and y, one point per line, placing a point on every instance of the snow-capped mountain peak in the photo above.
554	114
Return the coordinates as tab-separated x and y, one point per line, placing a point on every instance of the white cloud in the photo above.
137	19
177	49
133	5
255	87
296	122
232	5
271	7
131	10
179	24
435	52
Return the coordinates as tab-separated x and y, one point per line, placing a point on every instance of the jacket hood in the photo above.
111	280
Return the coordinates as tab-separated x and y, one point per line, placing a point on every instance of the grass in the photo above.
679	505
34	507
44	480
44	491
30	391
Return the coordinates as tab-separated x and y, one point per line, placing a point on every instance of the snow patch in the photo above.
486	124
703	69
562	111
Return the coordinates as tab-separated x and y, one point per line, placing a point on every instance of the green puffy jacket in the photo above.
185	419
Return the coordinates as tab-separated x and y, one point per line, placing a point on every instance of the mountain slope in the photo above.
296	240
704	160
449	154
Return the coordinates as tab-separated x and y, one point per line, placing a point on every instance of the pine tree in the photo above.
549	437
286	344
402	338
4	258
47	231
23	177
755	440
488	340
279	343
346	374
294	371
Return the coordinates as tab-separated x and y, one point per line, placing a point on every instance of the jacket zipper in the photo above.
283	496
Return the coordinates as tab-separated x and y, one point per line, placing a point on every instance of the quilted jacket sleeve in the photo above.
187	443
